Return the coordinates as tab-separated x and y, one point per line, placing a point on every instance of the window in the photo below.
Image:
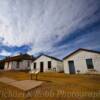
89	64
17	64
8	65
34	65
28	63
49	64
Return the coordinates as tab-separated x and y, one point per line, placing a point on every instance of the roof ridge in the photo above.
49	57
79	50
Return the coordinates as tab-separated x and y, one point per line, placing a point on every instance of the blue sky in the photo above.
53	27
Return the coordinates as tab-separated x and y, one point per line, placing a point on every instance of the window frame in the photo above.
49	64
89	63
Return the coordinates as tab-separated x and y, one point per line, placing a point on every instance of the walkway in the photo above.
23	85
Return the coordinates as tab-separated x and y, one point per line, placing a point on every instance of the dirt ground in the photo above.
56	86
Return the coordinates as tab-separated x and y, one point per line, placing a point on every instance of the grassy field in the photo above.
56	86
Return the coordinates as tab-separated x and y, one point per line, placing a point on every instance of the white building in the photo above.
46	63
19	62
82	61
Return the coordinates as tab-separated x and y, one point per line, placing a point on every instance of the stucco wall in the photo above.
23	65
79	59
54	64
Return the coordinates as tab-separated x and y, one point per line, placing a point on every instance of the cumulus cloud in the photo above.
43	23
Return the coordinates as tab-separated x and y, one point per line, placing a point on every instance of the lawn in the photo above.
56	86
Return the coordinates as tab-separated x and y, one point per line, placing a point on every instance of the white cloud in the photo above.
42	22
5	53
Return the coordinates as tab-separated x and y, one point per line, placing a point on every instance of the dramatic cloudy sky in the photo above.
54	27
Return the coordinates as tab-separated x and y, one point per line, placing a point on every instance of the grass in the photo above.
57	86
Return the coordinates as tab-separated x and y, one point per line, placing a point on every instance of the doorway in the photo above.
41	66
2	64
71	67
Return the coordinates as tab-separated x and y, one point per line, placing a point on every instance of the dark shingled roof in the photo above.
81	49
18	57
48	57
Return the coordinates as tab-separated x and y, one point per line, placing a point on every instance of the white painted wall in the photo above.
7	66
54	64
79	59
23	65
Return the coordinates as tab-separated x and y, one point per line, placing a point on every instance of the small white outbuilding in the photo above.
19	62
45	63
82	61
